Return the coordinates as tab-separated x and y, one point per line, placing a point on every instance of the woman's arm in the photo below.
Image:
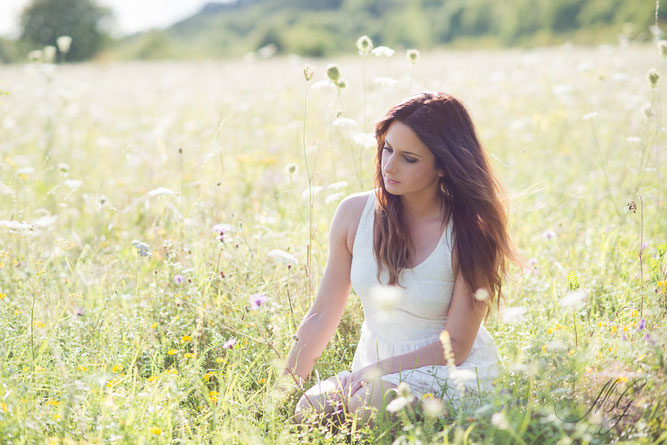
321	321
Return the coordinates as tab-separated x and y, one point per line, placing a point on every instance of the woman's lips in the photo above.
391	181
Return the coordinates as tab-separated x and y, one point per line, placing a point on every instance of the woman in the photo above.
435	229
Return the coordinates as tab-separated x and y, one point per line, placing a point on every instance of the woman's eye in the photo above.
387	148
410	160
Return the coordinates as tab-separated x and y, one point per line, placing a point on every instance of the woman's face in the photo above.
408	166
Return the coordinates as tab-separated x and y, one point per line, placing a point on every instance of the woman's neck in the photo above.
423	207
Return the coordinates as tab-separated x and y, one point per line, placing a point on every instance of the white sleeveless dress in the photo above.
416	320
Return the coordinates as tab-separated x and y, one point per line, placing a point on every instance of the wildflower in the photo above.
613	329
383	51
207	376
229	344
257	300
623	336
38	324
404	398
39	368
78	311
52	402
432	407
341	84
35	55
291	169
366	140
283	257
548	234
337	185
3	407
481	294
653	77
333	72
642	325
573	299
513	314
2	296
544	349
589	116
428	395
143	249
171	371
161	191
213	396
308	72
64	43
155	430
152	378
634	313
649	339
221	229
647	110
81	368
364	45
117	368
49	54
412	56
172	351
113	382
499	420
220	360
188	355
15	226
344	122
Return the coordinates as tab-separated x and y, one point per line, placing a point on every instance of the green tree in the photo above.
43	21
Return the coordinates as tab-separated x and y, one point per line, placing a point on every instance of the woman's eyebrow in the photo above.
405	152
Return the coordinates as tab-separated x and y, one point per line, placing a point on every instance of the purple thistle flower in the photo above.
623	336
642	325
257	300
221	229
179	279
649	339
229	344
78	311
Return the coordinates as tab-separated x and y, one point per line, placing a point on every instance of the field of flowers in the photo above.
164	227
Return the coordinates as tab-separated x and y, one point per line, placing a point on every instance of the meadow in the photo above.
165	224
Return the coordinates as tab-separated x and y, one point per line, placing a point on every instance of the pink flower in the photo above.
257	300
179	279
229	344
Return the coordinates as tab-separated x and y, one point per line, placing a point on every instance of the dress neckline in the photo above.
430	255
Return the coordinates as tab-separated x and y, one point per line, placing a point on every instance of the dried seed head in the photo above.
412	55
333	72
364	45
653	77
308	72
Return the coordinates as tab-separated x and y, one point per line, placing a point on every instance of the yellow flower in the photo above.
3	407
172	352
117	368
171	371
549	331
39	369
544	349
602	324
186	338
38	324
589	370
220	360
634	313
2	296
188	355
155	430
599	354
262	380
52	402
81	368
428	395
154	325
16	312
570	352
207	376
213	396
609	349
613	329
112	383
625	329
622	379
152	378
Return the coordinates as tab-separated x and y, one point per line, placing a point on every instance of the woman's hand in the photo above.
353	382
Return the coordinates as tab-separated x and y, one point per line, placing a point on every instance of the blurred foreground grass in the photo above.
101	344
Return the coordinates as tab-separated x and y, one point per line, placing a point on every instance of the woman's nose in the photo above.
389	164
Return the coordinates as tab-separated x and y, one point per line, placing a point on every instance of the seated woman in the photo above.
433	233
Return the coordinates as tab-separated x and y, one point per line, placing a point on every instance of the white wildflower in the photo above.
161	191
481	294
513	314
143	249
27	171
386	298
589	116
383	51
432	407
404	398
45	221
499	420
334	197
315	189
283	257
385	81
7	190
16	226
366	140
573	298
337	185
64	43
344	122
364	45
73	184
633	139
322	84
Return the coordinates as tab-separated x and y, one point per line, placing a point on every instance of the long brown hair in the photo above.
470	192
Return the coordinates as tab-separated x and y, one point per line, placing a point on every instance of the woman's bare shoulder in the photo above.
349	214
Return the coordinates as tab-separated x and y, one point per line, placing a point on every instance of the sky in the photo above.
130	15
